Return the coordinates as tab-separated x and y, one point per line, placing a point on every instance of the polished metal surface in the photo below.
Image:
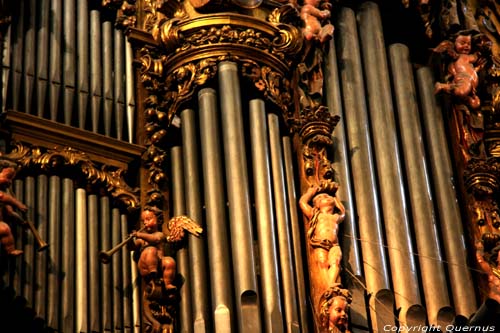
388	162
178	205
419	180
94	266
444	188
283	225
193	191
106	284
302	298
215	205
239	202
265	221
81	261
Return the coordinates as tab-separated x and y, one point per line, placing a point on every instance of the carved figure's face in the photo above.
463	44
7	175
338	313
150	221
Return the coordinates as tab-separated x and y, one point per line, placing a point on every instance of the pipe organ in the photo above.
305	140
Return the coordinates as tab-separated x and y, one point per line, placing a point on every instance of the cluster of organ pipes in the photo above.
66	287
234	173
68	63
238	157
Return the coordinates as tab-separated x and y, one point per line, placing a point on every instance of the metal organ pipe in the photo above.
55	60
29	59
266	228
81	262
282	220
40	295
200	301
419	189
215	205
239	202
94	264
390	176
83	86
69	58
296	233
117	268
107	47
42	56
178	195
449	213
95	69
363	173
106	270
68	260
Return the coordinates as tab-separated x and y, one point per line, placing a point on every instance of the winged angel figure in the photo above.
462	79
150	241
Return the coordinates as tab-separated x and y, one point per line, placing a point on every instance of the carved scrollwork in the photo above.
274	86
70	159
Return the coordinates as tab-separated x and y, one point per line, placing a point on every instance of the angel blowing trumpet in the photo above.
150	240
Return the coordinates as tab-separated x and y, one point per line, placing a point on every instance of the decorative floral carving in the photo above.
79	164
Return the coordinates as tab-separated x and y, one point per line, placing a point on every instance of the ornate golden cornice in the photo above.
79	165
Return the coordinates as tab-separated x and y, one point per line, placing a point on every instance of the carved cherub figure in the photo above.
324	217
312	16
151	241
462	72
7	204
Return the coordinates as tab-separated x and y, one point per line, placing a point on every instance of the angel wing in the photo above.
446	46
178	224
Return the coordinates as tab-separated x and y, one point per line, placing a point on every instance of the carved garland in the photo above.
60	158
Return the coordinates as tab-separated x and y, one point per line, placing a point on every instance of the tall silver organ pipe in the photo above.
55	63
447	204
42	57
29	56
96	68
41	222
265	221
283	225
107	76
239	202
94	231
437	302
106	270
296	233
178	195
83	85
215	205
389	171
197	250
363	170
69	58
67	311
